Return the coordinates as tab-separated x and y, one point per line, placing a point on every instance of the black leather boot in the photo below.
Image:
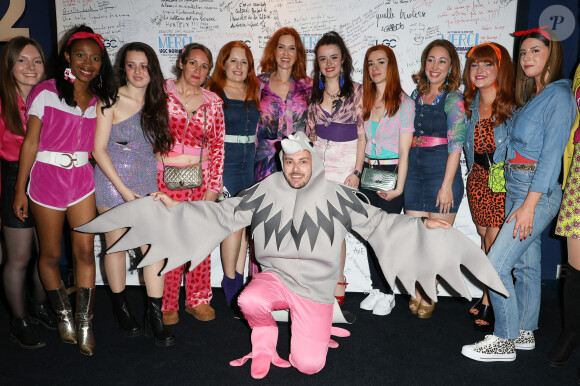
127	324
42	313
569	339
154	326
22	333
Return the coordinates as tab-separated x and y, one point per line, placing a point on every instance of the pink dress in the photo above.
65	129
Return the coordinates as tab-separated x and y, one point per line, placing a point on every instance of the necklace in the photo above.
332	96
484	106
187	100
279	79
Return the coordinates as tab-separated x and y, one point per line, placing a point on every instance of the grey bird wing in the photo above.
185	233
408	250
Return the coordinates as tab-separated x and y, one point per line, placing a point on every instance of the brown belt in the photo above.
529	167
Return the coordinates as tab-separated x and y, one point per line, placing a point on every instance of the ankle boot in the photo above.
569	339
64	317
22	333
41	313
230	287
84	320
127	324
154	326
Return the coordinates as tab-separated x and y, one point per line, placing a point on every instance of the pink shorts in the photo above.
57	188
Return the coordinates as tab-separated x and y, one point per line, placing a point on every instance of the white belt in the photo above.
240	138
63	160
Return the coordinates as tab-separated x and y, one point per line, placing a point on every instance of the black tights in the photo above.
19	242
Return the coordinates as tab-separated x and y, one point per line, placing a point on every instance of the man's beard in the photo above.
296	184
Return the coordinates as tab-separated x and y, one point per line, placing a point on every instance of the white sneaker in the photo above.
385	304
491	349
526	341
369	302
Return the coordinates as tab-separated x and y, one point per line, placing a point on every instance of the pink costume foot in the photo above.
337	331
264	340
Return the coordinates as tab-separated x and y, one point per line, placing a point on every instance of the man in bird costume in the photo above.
298	220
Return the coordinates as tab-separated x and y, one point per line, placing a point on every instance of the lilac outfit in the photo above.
134	161
65	129
337	134
279	119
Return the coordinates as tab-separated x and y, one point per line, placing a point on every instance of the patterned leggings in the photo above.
198	281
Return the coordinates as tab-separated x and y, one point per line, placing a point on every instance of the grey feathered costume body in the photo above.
298	234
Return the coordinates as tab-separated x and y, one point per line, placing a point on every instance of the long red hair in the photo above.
268	62
393	89
504	100
217	82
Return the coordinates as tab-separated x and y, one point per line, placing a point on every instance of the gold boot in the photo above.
84	320
64	316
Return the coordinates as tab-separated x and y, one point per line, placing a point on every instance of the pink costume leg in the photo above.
198	284
264	294
311	330
171	289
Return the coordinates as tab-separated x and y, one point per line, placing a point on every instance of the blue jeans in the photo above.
238	167
521	310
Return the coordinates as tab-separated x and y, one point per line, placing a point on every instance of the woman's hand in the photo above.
209	196
388	195
20	206
432	223
524	222
165	199
312	136
352	181
129	195
444	200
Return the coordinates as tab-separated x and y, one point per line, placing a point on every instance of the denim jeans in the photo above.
521	310
238	167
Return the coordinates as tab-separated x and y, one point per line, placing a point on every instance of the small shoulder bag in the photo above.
496	180
378	180
189	176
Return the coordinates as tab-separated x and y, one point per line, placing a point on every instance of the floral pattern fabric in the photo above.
456	120
279	119
386	136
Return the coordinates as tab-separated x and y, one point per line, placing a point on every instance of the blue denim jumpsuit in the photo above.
427	164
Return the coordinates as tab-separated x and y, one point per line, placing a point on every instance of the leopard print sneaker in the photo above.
526	341
491	349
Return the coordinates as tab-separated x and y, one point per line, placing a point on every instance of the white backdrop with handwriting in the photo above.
406	26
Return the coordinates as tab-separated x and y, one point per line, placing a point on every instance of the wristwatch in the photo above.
357	173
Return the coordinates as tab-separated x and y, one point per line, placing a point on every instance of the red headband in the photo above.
539	30
495	48
87	35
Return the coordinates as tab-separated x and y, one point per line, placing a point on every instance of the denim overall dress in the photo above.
427	164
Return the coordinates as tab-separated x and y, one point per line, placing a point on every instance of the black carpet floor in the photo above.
399	349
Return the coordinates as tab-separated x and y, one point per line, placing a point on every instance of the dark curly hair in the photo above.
103	86
332	38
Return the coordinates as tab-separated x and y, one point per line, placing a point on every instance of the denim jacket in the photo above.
539	132
499	132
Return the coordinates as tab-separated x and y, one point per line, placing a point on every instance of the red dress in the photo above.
189	132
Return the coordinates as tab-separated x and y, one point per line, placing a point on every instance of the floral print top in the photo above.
279	119
385	140
456	120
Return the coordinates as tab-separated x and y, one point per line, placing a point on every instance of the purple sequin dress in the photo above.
133	158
